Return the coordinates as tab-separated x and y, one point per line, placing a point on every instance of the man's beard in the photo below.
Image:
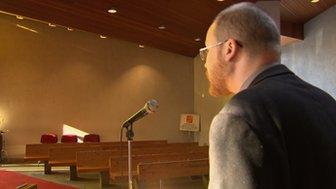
217	81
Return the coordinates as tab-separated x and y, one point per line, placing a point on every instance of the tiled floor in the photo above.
91	181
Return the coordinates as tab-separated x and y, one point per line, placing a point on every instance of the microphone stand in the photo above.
129	135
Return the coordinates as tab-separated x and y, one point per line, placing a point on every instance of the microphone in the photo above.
150	107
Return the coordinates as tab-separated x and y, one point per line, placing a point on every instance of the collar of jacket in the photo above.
273	71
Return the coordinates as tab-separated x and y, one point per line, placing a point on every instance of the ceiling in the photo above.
301	11
138	20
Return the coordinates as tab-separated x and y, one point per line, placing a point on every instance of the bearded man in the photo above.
277	131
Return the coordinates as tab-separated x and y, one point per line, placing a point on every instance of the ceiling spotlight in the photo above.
142	46
19	17
103	36
198	39
162	27
314	1
112	10
220	0
52	25
69	29
26	28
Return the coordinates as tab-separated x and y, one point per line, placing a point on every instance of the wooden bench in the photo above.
67	157
95	161
40	152
119	166
98	161
36	152
89	160
172	169
173	148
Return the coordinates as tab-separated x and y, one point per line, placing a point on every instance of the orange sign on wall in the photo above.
189	119
189	122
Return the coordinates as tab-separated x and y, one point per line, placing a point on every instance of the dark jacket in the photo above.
279	133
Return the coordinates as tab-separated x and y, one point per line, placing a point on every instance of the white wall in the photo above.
314	58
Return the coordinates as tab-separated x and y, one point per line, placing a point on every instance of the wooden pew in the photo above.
170	148
36	152
119	166
90	160
172	169
66	156
40	152
145	143
98	161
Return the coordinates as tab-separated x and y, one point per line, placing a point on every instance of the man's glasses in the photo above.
204	51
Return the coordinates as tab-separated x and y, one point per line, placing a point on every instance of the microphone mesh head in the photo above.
152	105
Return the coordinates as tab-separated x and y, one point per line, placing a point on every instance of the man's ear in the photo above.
230	49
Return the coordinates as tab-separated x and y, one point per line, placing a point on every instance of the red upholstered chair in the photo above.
49	138
69	139
91	138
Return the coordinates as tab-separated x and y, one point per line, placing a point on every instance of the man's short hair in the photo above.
249	25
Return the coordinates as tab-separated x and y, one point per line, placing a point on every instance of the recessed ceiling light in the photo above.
19	17
69	29
220	0
142	46
198	39
103	36
112	10
162	27
26	28
314	1
52	25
